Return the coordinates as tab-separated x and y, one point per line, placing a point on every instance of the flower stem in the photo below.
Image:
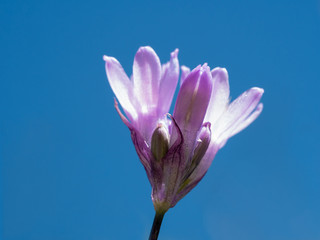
156	226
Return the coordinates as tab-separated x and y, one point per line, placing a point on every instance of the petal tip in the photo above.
174	54
145	49
205	68
106	58
184	68
109	60
197	68
259	107
260	91
219	71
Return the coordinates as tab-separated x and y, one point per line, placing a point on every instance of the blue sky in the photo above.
68	167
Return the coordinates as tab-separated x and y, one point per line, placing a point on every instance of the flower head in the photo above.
177	150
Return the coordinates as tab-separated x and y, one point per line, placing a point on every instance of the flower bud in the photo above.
202	144
160	142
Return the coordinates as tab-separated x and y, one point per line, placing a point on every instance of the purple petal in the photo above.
121	86
168	83
220	95
246	122
140	145
242	116
142	150
200	149
237	112
146	78
193	99
184	73
199	172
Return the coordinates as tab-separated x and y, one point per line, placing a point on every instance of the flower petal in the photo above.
198	173
220	95
121	86
200	149
146	78
168	83
140	145
184	73
236	113
142	150
241	119
193	99
246	122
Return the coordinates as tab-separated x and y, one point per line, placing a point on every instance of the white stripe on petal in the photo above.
146	78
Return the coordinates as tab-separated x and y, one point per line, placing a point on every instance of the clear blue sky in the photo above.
68	167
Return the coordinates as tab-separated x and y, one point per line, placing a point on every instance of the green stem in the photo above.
156	226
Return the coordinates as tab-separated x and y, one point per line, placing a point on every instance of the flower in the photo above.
176	151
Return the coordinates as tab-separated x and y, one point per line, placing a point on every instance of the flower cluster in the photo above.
176	150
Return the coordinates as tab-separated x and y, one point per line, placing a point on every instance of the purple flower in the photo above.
176	151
